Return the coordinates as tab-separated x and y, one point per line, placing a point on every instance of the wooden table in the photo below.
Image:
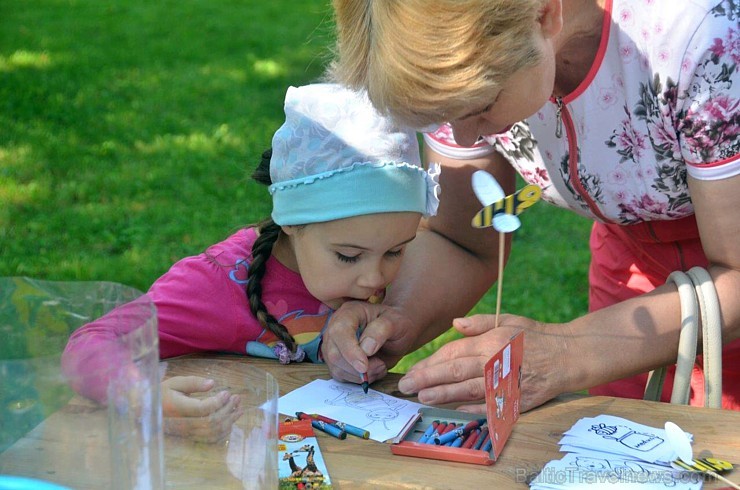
355	463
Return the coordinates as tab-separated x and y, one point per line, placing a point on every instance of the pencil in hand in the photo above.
365	382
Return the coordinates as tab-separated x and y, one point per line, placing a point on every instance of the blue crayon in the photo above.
349	429
450	428
363	376
488	445
457	442
448	437
440	428
430	430
481	438
330	429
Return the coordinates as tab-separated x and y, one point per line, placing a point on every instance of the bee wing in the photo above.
486	188
488	191
506	223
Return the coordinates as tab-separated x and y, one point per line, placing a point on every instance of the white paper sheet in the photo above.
621	436
384	416
592	472
613	452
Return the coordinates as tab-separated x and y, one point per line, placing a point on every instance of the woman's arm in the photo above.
628	338
446	270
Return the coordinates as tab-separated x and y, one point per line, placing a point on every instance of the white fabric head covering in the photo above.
336	157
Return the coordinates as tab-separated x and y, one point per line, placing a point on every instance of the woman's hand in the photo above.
380	346
206	419
455	372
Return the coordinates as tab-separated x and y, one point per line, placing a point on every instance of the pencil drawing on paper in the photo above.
377	407
633	439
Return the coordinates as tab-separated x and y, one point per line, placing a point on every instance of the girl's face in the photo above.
351	258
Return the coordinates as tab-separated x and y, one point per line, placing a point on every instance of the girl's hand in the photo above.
380	346
206	419
455	372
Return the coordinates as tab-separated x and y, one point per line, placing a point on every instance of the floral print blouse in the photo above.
661	101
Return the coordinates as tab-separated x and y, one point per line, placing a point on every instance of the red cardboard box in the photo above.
503	388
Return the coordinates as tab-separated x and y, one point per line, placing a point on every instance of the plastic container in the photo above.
246	454
48	432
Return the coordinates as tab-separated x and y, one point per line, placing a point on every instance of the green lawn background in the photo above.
128	131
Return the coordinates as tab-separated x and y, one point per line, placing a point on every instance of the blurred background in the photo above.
129	129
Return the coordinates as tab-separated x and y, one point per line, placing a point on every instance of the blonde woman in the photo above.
624	111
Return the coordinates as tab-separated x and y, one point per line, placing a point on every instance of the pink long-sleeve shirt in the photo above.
201	306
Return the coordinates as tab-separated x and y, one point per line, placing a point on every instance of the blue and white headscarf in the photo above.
337	157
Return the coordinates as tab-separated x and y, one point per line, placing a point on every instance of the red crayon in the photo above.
459	431
473	424
470	440
330	429
440	428
449	432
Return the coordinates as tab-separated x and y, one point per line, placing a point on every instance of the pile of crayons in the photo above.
333	427
473	435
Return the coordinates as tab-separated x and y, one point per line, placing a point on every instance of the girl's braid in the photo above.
261	250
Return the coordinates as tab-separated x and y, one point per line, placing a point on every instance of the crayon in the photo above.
488	444
471	439
481	438
349	429
458	442
459	431
449	429
448	436
425	436
440	428
365	381
330	429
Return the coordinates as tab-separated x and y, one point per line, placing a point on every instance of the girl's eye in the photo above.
394	253
347	259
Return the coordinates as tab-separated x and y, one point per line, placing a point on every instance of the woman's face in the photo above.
351	258
521	95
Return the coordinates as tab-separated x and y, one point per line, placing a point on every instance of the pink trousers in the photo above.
630	260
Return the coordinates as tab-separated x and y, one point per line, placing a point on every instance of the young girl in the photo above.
348	192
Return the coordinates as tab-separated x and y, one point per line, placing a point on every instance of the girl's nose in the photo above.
465	131
372	278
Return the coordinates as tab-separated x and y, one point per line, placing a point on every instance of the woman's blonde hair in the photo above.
430	61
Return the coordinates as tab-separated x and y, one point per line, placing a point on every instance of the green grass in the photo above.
128	131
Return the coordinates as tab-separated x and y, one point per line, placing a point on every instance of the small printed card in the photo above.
300	462
613	452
